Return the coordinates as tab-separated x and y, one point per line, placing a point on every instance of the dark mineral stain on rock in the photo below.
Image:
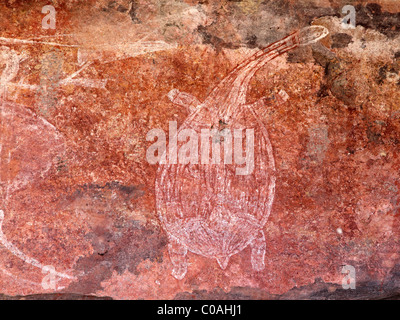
371	290
119	243
371	16
300	55
236	293
215	41
386	70
251	41
375	130
319	290
132	12
117	248
341	40
280	7
110	197
335	75
54	296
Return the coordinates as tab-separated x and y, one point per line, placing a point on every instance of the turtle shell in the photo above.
209	208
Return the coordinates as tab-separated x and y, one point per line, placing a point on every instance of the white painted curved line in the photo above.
23	41
15	278
18	253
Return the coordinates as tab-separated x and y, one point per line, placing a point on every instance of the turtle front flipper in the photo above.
177	254
258	251
183	99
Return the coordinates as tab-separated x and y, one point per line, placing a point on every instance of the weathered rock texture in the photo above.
78	194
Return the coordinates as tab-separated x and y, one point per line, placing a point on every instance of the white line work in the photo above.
12	59
18	253
23	41
19	279
207	208
86	57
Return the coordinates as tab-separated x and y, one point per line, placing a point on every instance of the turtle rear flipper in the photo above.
223	262
258	251
177	254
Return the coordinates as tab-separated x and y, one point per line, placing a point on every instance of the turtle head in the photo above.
312	34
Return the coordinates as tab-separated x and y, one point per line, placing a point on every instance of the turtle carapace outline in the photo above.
206	209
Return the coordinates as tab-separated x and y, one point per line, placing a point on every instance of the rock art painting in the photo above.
210	209
163	149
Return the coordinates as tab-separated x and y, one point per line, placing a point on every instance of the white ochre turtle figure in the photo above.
208	208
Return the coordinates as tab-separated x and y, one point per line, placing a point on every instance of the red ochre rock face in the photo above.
79	197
